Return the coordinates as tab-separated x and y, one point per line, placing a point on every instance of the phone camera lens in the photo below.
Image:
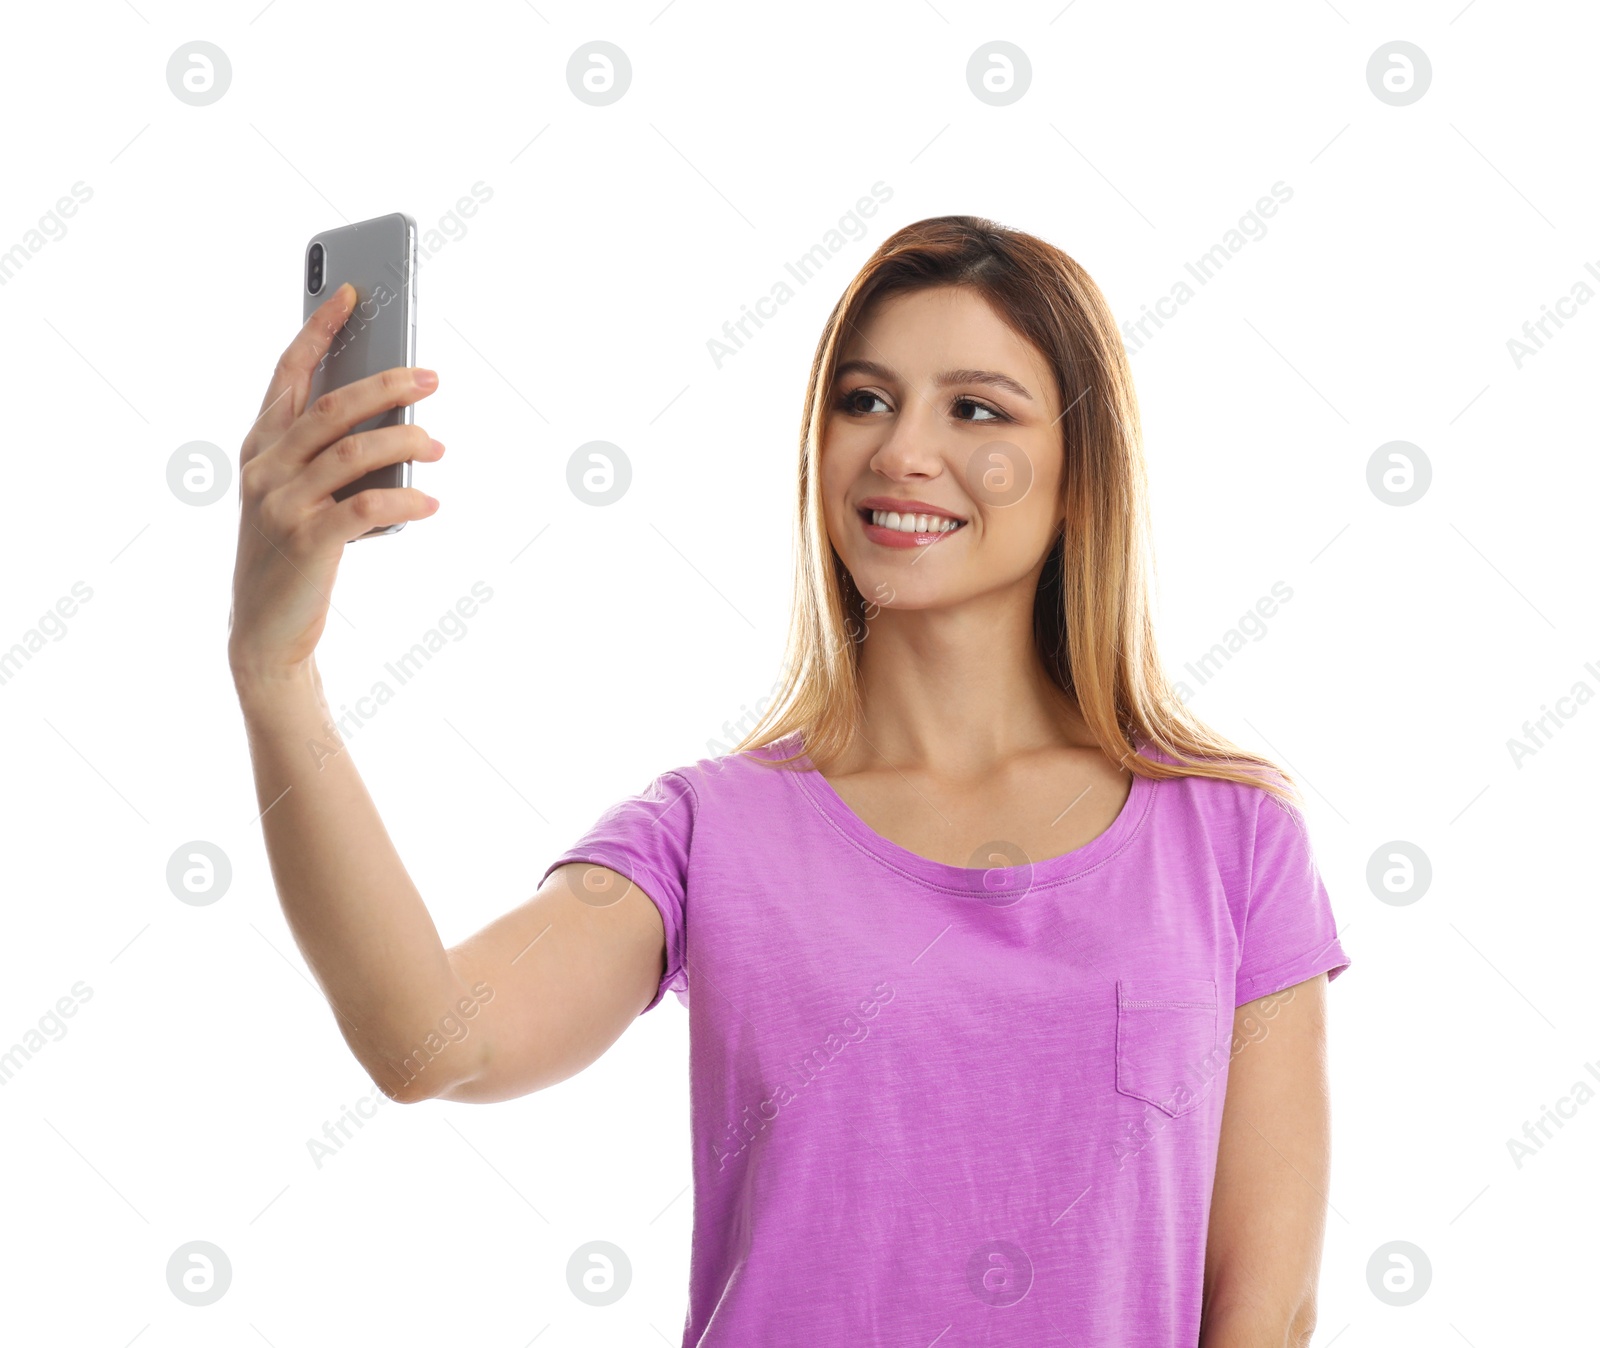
314	268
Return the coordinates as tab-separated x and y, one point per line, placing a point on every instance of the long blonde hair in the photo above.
1092	621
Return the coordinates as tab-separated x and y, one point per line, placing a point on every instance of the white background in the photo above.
620	641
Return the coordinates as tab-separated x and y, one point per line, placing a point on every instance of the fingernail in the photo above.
426	378
431	500
437	447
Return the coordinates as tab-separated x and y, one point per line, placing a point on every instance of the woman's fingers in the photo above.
342	462
336	413
291	380
370	509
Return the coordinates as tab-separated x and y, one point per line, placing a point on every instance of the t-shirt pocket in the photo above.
1167	1040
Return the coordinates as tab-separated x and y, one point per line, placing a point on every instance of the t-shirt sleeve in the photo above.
646	837
1289	933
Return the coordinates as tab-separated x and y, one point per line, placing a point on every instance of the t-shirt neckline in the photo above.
994	882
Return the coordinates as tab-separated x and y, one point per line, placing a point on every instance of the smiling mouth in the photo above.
911	525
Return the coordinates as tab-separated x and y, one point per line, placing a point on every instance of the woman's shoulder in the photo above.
741	775
1212	796
724	795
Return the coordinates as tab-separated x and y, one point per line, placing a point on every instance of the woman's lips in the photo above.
900	538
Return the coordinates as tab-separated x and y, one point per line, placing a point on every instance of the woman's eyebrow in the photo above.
943	380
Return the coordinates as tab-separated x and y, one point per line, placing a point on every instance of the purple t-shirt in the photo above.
932	1103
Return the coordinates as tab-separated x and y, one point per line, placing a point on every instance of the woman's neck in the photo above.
957	690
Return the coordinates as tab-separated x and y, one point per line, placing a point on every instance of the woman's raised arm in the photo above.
538	993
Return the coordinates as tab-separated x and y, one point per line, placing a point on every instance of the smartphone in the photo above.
378	257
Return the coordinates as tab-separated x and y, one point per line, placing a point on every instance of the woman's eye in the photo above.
993	415
850	402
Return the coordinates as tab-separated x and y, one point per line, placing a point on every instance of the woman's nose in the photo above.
914	443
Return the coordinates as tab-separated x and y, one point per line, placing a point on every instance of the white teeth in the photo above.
914	524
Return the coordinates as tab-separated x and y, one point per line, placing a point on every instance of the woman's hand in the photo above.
291	530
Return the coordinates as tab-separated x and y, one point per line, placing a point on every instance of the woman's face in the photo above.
940	406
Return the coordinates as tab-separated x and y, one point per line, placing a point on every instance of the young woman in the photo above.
1005	975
